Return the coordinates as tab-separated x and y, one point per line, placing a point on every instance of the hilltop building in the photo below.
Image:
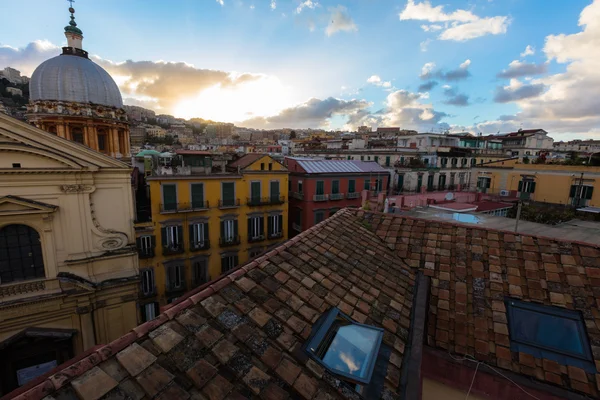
74	98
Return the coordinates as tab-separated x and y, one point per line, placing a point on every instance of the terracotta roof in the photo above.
240	337
246	160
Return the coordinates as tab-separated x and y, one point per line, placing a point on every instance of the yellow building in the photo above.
68	263
548	183
205	223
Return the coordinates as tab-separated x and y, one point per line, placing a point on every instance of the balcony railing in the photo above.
147	293
199	205
354	195
297	195
254	239
166	208
173	249
173	287
296	227
276	235
265	201
170	207
229	241
229	203
320	197
197	246
336	196
146	253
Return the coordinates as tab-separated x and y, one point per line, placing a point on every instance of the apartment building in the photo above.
204	223
319	188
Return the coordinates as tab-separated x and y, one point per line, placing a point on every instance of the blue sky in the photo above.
303	63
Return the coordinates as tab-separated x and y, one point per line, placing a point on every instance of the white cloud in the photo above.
340	21
377	81
465	64
517	69
529	51
221	2
424	45
252	6
307	4
460	25
273	4
428	71
26	59
570	102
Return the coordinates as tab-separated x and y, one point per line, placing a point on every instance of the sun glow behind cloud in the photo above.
259	98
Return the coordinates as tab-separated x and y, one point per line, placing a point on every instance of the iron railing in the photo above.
320	197
353	195
229	241
197	246
336	196
229	203
265	201
176	248
146	253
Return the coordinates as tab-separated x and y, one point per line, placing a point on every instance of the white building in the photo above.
12	75
14	91
527	143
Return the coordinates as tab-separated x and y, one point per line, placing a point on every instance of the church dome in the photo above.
73	78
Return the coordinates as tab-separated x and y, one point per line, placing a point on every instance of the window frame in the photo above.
561	356
322	327
147	276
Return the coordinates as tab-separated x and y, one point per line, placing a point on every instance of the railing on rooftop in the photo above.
336	196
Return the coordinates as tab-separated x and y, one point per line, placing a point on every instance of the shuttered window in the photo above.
255	191
197	195
199	272
274	190
228	262
169	197
275	223
199	234
229	230
351	186
335	187
228	193
256	227
320	187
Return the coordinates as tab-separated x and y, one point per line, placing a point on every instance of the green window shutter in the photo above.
532	187
205	227
235	228
488	183
376	158
400	182
197	195
275	189
228	190
351	186
153	241
180	235
138	243
163	236
223	264
249	228
170	197
573	191
280	221
255	190
262	225
367	184
335	187
387	161
191	229
320	187
520	189
222	229
588	192
270	226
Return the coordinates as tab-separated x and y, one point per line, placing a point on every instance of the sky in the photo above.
459	65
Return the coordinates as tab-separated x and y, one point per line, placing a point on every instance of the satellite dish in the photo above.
449	196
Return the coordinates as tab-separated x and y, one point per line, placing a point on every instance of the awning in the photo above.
595	210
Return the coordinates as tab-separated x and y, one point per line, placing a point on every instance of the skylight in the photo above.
345	347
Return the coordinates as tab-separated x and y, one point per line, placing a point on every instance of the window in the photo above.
444	162
581	192
275	223
376	158
175	277
101	142
149	311
228	194
351	186
145	245
320	187
274	186
379	185
262	166
335	187
270	166
197	190
346	348
319	216
228	262
526	186
387	161
362	158
172	239
169	193
484	182
549	332
229	231
20	254
367	184
255	192
256	229
199	272
299	186
199	235
77	135
147	278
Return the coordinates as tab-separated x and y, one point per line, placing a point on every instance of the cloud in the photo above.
569	102
340	21
312	113
376	80
517	69
428	72
26	59
427	86
529	51
307	4
454	98
517	90
424	45
221	2
273	4
460	25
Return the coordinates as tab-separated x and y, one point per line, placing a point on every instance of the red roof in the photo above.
246	160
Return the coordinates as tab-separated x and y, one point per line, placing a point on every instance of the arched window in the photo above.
52	129
20	254
77	135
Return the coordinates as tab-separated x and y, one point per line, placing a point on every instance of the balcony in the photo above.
296	227
229	241
229	203
174	288
297	195
276	235
199	206
146	253
336	196
354	195
176	248
265	201
320	197
197	246
255	239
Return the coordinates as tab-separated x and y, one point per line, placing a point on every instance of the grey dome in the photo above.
76	79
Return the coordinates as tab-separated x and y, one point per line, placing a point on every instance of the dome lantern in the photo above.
72	32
